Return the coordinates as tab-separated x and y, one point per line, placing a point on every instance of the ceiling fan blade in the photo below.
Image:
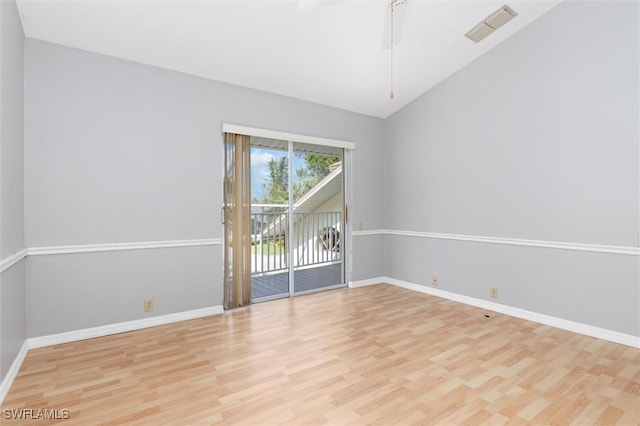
399	9
307	5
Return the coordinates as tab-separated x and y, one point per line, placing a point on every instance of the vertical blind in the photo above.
237	220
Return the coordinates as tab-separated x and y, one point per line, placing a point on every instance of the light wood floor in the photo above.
373	355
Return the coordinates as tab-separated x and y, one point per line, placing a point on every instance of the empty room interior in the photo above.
320	212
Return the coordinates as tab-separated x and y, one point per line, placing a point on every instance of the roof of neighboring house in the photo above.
324	190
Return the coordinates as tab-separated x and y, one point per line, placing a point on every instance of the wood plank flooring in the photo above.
373	355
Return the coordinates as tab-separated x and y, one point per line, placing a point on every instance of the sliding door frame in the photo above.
348	148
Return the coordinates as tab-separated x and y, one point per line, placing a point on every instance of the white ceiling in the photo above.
330	55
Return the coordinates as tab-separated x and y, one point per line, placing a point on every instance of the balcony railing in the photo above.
268	251
316	240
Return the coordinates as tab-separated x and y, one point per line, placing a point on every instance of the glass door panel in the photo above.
270	219
317	227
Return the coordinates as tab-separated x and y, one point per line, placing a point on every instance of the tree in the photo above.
275	189
317	167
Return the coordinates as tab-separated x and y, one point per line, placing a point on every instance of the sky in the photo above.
260	158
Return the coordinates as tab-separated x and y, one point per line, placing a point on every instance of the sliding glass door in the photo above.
296	218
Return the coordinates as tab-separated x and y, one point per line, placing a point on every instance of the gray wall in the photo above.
91	289
12	236
12	280
116	152
537	139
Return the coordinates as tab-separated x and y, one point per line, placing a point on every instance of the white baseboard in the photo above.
576	327
121	327
364	283
13	371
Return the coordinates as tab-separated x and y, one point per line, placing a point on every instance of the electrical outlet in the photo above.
493	292
435	281
361	227
148	305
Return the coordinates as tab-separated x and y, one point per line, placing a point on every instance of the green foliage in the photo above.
275	189
271	248
318	165
315	169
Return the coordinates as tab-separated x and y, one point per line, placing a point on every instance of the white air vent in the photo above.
479	32
491	23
